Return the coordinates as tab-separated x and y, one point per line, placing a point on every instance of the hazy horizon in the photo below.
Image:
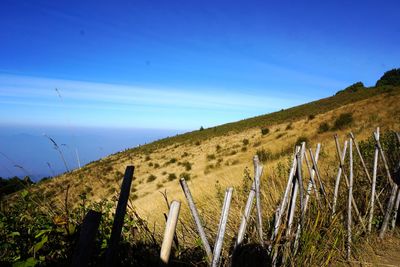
27	147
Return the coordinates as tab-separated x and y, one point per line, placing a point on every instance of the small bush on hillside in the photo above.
391	77
264	131
280	135
185	154
147	158
301	139
311	117
352	88
344	120
151	178
218	147
197	143
243	149
172	176
156	165
245	142
210	157
150	164
186	164
201	128
289	127
323	127
264	154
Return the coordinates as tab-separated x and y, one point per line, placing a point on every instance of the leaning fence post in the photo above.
119	216
341	156
246	214
349	219
365	167
392	194
221	227
169	233
257	175
282	206
396	209
196	218
87	235
396	206
372	201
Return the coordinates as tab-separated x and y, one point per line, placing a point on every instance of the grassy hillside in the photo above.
212	159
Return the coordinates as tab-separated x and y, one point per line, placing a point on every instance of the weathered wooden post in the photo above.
119	217
222	227
312	183
396	206
83	249
373	186
196	218
285	198
365	168
392	194
246	214
169	233
257	177
396	209
307	197
349	218
319	178
339	174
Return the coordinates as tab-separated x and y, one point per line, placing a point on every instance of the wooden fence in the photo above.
295	195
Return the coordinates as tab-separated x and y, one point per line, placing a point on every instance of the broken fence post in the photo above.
222	227
169	233
196	219
83	249
119	217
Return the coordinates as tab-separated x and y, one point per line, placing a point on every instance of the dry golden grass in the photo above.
206	172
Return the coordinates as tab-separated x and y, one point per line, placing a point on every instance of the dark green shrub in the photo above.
301	139
151	178
311	117
172	176
265	131
218	147
352	88
264	154
210	157
391	77
245	142
201	128
323	127
197	143
344	120
289	127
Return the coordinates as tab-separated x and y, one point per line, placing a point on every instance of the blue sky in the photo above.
183	64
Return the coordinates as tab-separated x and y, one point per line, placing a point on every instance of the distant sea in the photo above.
26	151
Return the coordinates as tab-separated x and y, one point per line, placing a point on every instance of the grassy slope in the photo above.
101	179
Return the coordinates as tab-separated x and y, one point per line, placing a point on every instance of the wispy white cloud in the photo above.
38	91
34	100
